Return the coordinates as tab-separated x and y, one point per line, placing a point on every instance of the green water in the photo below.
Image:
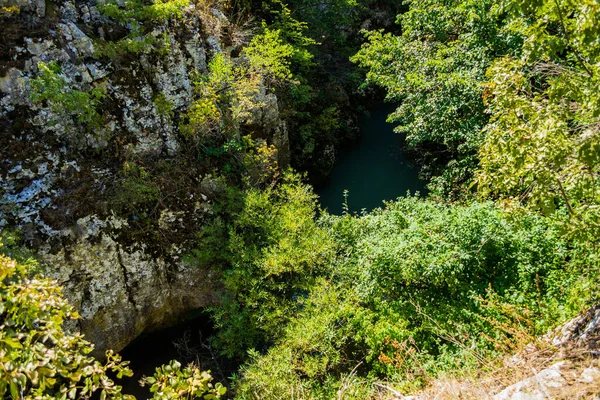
374	170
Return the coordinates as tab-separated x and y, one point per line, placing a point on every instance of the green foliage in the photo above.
51	87
225	98
131	44
269	55
330	20
163	106
435	71
292	31
273	250
228	95
170	382
135	11
321	308
135	189
316	345
37	358
542	148
11	247
136	14
315	101
415	289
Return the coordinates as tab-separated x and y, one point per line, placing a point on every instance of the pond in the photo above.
374	170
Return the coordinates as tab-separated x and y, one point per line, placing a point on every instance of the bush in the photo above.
139	17
51	87
171	382
39	360
135	11
418	288
424	264
272	250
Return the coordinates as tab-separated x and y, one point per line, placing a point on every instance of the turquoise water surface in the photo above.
374	170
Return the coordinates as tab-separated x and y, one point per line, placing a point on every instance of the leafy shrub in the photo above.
51	86
291	31
163	106
270	56
136	14
311	352
228	95
135	189
217	93
425	263
134	43
170	382
415	289
135	11
273	251
9	11
38	359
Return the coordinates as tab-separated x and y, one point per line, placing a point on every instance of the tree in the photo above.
542	147
434	71
272	251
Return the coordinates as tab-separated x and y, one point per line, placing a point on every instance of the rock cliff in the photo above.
63	177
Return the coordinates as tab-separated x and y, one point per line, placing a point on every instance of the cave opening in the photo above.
187	342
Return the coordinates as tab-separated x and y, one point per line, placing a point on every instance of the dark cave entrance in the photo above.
186	342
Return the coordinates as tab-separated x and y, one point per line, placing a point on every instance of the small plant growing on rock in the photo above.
135	189
138	11
164	106
9	11
51	87
135	14
230	93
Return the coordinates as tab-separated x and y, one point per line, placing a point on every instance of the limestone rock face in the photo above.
59	183
581	329
535	387
121	292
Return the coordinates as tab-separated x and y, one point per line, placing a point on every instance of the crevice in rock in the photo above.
128	289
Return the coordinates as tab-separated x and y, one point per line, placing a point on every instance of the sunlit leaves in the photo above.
38	359
274	249
542	147
434	70
268	54
229	94
134	11
51	86
172	382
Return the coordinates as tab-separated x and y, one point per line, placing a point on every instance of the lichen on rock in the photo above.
76	189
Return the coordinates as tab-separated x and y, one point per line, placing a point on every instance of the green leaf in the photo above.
15	344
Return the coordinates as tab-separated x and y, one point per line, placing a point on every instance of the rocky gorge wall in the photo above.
59	179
